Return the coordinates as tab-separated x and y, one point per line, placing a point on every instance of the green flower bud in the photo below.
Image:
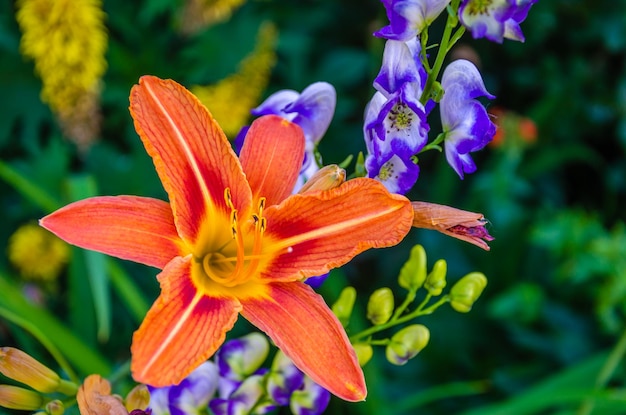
413	272
14	397
407	343
380	306
55	407
466	291
364	353
344	304
436	280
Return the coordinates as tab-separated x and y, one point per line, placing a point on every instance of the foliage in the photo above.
547	335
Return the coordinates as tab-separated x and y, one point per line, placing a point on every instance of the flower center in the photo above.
236	261
400	117
476	7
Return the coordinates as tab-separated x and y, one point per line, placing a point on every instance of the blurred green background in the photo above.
548	334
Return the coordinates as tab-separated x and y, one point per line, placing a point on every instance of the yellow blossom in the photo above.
232	98
37	254
198	14
67	41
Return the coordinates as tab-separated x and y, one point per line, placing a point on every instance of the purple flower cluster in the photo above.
236	384
396	128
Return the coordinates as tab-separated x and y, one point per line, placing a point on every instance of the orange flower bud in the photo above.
460	224
326	178
14	397
23	368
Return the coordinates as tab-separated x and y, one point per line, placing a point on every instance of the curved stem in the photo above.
444	47
36	333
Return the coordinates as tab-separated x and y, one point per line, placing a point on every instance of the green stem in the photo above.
444	47
410	297
420	311
36	333
607	370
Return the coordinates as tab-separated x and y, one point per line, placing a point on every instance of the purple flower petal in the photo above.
401	64
465	121
283	379
495	20
239	358
407	18
312	399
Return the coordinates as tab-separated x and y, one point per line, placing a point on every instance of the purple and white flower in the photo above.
395	127
312	110
466	124
408	18
495	19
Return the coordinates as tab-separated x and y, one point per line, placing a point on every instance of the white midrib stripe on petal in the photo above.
173	332
181	139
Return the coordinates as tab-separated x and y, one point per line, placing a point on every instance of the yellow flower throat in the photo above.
235	262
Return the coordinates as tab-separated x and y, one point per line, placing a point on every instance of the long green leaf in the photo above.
85	359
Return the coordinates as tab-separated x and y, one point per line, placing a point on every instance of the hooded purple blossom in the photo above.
312	110
465	121
495	19
395	127
311	399
407	18
191	396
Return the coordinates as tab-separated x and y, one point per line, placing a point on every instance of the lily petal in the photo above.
190	152
136	228
182	329
94	398
304	328
323	230
272	156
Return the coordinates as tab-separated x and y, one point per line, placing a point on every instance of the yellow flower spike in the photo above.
364	353
232	98
413	272
380	306
436	279
37	254
407	343
199	14
326	178
67	41
14	397
137	398
466	291
342	308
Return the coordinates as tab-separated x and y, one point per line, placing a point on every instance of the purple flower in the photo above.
312	110
191	396
283	379
311	399
401	64
495	19
465	121
395	130
407	18
239	358
247	397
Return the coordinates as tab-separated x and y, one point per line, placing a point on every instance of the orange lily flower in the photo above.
234	240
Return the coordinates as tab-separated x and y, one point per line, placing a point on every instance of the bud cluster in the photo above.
383	313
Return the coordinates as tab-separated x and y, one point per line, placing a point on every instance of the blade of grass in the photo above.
82	357
27	188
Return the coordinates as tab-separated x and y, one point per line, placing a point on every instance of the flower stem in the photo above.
396	319
444	47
